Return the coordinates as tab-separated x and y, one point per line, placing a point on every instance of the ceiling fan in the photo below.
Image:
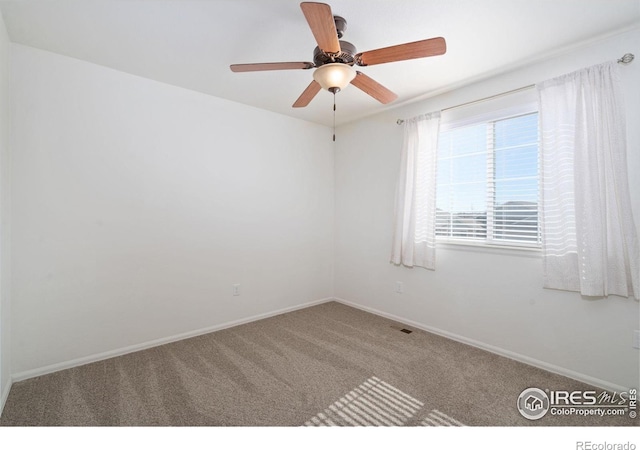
334	59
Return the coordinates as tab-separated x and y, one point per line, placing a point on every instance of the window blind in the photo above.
487	182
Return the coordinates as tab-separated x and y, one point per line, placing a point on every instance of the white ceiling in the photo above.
192	43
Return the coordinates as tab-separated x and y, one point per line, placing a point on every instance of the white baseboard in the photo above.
497	350
4	394
154	343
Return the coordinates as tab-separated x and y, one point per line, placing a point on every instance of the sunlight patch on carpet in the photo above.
439	419
374	402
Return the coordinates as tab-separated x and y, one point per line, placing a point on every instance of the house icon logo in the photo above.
533	403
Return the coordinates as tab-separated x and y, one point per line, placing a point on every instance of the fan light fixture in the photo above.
335	76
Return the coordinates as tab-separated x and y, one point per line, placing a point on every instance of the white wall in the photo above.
491	299
137	205
5	306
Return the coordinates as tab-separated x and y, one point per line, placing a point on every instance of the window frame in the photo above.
512	106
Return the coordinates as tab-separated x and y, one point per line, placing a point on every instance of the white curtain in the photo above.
589	238
414	237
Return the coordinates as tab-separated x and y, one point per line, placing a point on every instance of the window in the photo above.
487	182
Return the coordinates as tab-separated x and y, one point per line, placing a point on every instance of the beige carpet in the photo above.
325	365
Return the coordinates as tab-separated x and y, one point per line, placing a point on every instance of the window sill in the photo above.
526	252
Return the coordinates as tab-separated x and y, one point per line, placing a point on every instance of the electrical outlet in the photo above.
236	289
399	287
636	339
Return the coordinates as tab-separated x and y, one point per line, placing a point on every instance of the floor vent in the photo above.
400	328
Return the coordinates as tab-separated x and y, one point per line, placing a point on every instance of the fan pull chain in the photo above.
334	116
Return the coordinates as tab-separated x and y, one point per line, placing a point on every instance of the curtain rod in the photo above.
626	59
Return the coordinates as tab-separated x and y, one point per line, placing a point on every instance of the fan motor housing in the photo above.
345	56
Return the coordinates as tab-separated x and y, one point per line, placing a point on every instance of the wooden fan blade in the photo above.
271	66
373	88
307	95
323	27
402	52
